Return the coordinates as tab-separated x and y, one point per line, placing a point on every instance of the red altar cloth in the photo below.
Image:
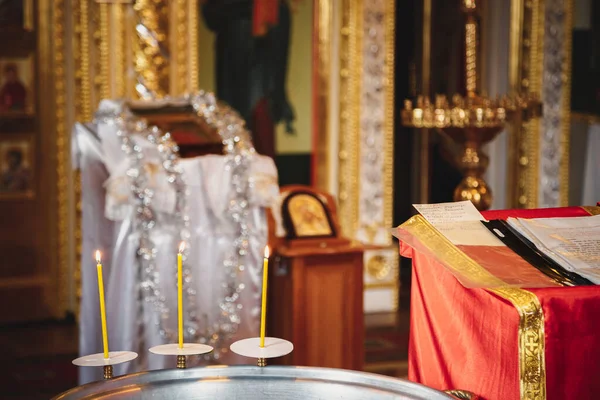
468	339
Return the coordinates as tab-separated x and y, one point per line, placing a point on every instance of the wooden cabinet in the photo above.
316	298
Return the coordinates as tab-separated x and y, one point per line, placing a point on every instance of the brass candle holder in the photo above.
273	347
98	360
188	349
470	121
108	372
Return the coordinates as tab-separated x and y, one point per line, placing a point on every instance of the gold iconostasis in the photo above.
340	84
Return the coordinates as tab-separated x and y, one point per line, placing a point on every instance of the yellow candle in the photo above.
263	310
180	295
102	306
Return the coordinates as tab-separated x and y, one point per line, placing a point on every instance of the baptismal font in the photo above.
471	120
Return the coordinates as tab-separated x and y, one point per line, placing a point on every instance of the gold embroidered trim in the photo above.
443	249
532	342
532	362
592	210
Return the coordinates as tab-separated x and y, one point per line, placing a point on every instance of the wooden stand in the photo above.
316	297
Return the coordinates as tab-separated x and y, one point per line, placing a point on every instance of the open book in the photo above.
572	242
533	253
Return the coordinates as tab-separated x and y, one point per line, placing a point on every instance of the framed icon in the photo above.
16	85
16	166
305	215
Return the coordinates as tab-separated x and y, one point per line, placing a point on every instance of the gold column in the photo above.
178	42
323	24
525	76
152	57
104	52
565	128
388	135
350	80
83	103
52	52
366	142
118	34
540	64
192	48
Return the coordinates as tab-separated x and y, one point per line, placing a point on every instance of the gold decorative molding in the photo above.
119	63
192	49
525	76
360	70
105	74
378	267
365	133
323	22
565	133
540	63
388	134
178	24
589	119
152	50
62	151
350	83
83	81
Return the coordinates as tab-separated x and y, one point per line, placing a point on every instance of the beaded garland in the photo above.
238	151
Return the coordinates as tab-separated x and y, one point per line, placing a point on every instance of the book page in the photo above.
459	222
459	211
574	242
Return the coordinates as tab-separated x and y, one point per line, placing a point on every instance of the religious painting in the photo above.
306	216
16	166
15	15
257	57
16	83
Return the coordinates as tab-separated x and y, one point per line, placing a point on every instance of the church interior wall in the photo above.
293	151
40	236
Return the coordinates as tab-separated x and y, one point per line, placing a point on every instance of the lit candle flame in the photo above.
181	247
98	257
267	252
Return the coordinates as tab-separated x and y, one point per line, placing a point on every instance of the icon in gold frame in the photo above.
306	216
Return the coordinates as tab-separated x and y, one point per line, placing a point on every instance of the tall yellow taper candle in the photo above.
263	309
102	306
180	295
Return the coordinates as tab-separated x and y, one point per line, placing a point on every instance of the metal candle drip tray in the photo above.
249	382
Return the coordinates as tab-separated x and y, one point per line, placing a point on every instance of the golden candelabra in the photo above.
472	120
